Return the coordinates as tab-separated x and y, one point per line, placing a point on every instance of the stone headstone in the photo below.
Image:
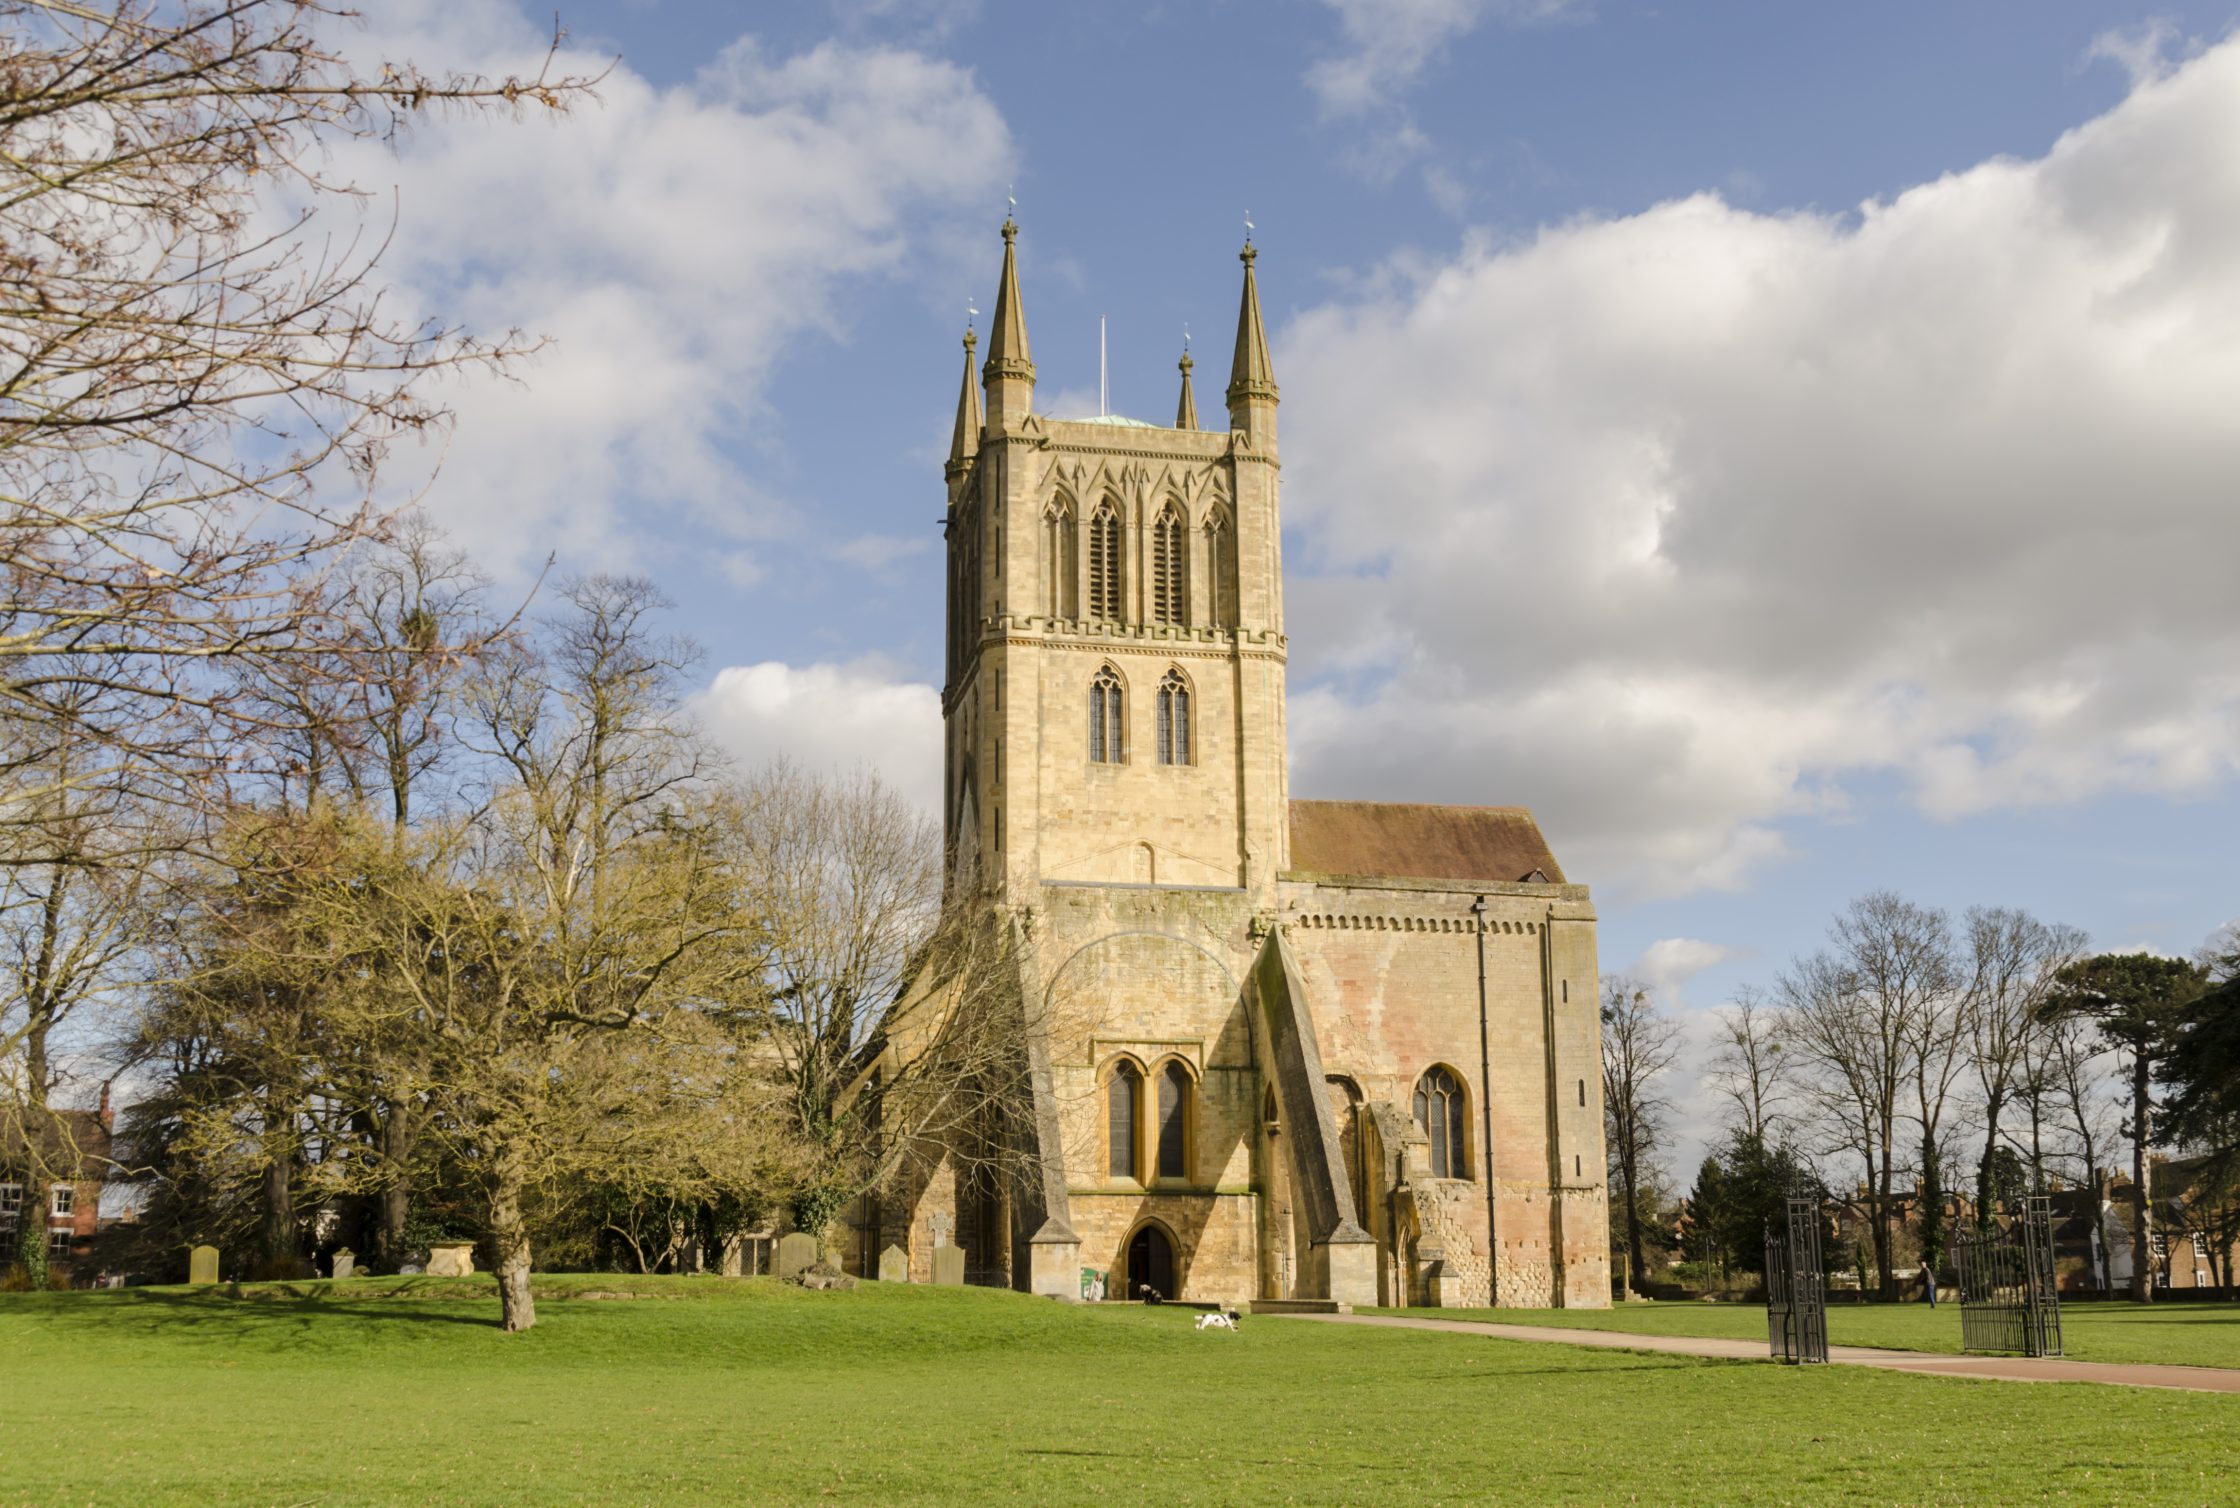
796	1253
948	1266
345	1263
453	1259
202	1265
894	1265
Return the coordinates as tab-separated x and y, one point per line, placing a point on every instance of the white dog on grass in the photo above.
1225	1321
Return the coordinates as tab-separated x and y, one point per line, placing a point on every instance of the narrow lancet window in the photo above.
1174	1121
1174	719
1104	563
1123	1095
1170	586
1107	723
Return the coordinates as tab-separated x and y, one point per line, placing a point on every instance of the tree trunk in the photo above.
1983	1169
400	1131
2142	1198
279	1211
1884	1259
509	1235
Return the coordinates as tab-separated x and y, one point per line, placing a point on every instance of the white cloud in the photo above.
673	242
1669	525
1670	962
2142	51
1390	42
830	717
879	552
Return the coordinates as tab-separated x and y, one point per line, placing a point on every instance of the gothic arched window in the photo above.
1221	571
1104	562
1444	1116
1108	741
1170	579
1174	1121
1123	1100
1174	719
1059	591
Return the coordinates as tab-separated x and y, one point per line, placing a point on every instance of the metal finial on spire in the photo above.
1248	227
1186	337
970	314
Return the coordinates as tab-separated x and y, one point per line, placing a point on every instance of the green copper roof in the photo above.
1114	419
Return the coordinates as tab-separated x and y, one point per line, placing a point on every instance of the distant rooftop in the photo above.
1114	419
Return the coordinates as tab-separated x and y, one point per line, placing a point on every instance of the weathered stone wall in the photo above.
1393	968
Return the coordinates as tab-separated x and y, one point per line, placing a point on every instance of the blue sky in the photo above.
1788	447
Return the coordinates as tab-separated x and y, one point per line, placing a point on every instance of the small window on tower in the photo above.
1107	726
1104	562
1174	719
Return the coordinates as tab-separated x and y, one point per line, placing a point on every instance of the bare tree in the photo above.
1872	1015
2013	958
183	384
1639	1044
1751	1065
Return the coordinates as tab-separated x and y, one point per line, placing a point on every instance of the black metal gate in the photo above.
1796	1286
2008	1301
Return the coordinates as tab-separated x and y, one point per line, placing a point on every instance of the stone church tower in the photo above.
1301	1052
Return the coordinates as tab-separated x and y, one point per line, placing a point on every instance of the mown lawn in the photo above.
2194	1335
403	1391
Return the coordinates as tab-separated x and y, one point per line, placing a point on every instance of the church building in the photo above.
1311	1052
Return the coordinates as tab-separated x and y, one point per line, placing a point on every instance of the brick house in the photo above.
69	1213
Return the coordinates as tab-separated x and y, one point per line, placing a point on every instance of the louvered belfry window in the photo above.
1174	1121
1123	1093
1170	591
1107	727
1445	1119
1104	563
1174	719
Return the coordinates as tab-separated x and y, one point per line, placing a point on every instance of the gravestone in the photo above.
732	1261
796	1254
452	1259
345	1263
948	1266
894	1265
202	1265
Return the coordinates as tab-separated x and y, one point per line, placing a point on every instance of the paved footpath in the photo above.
2006	1368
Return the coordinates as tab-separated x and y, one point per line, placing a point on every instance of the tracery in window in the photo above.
1174	719
1107	723
1170	585
1445	1118
1104	562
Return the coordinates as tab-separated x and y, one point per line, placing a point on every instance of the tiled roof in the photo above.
1472	845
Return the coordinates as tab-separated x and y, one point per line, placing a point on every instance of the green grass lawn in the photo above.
403	1391
2195	1335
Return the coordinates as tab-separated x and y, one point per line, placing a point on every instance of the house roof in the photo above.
72	1143
1474	845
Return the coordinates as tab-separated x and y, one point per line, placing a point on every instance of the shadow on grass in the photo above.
266	1307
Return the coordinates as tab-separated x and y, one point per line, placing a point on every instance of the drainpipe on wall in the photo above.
1485	1102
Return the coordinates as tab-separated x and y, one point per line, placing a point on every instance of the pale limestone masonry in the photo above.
1275	978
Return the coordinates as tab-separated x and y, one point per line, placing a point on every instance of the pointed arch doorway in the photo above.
1150	1263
